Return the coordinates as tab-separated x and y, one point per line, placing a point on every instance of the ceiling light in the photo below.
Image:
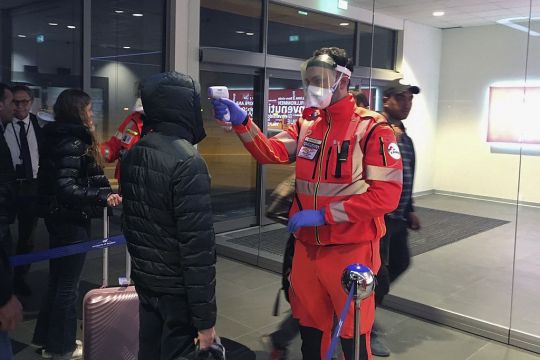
510	22
137	15
300	12
250	34
126	47
344	24
71	27
53	24
21	36
126	109
119	11
239	31
438	13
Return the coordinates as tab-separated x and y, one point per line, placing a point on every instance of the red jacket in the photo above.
356	190
128	133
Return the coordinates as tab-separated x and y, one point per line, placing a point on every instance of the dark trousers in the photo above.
395	256
166	331
56	326
26	223
311	345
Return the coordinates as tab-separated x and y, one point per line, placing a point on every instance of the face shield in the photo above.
321	77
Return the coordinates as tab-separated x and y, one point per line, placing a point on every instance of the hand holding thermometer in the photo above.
220	92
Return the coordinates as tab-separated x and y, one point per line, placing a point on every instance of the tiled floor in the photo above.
472	276
246	295
490	276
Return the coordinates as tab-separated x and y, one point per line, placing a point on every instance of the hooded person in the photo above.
167	221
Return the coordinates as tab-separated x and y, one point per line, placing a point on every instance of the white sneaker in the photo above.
77	353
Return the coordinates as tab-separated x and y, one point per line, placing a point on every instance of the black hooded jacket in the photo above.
167	218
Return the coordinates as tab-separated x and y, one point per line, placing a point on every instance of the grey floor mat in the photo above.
439	228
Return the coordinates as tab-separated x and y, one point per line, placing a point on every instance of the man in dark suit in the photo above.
23	136
10	307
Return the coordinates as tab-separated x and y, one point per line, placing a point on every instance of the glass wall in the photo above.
127	46
297	33
42	47
233	169
384	52
525	318
231	24
42	42
475	262
474	259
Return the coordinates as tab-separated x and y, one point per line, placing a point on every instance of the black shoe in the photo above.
20	287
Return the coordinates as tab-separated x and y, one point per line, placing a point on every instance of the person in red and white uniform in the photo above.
127	135
348	175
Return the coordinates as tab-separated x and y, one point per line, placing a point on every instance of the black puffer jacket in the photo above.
7	215
167	218
7	183
72	185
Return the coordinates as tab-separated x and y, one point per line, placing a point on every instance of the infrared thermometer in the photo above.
220	92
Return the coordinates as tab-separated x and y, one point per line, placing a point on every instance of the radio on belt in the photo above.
220	92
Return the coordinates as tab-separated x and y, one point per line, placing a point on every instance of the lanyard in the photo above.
17	136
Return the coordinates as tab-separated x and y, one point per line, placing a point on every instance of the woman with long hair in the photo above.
73	189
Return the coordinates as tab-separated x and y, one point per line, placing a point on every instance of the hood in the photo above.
172	105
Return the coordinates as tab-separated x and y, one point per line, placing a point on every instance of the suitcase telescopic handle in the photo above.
105	266
123	281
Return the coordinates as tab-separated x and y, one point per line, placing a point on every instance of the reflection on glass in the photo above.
525	316
297	33
125	50
231	24
285	106
384	49
467	192
46	57
232	168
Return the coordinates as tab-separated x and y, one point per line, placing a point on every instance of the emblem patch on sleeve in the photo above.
393	151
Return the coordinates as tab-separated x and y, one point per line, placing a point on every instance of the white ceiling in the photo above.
457	12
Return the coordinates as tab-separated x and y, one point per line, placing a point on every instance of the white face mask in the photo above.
318	97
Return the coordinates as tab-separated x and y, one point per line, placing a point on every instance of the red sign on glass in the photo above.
284	106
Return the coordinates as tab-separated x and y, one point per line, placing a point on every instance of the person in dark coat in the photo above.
24	138
10	307
72	190
167	221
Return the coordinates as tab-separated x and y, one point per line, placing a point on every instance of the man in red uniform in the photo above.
348	175
128	133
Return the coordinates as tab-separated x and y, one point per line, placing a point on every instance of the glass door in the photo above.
233	169
466	181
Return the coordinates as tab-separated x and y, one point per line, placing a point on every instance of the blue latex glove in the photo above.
306	218
238	115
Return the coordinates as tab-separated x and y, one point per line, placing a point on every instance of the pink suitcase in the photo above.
111	317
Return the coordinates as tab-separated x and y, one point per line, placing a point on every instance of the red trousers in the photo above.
316	293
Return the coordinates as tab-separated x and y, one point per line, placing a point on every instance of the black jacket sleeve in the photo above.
6	282
410	205
7	215
196	239
68	161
